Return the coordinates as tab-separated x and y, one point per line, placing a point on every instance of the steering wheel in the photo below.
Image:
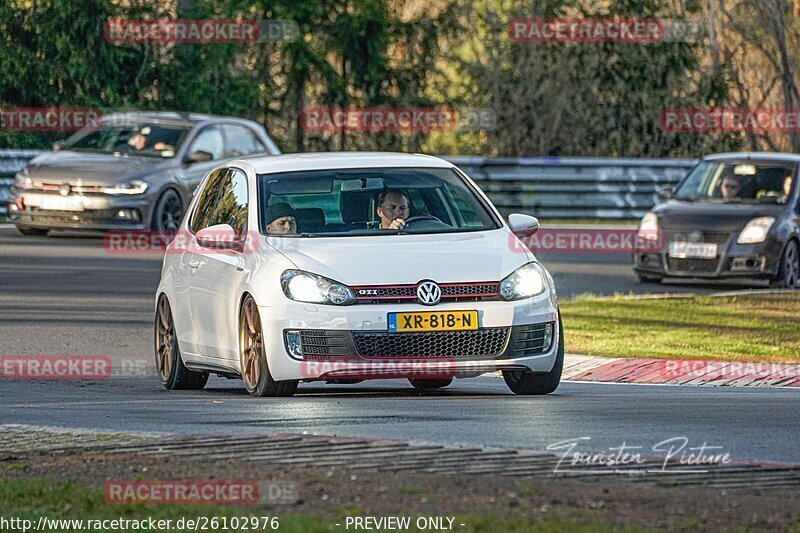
420	218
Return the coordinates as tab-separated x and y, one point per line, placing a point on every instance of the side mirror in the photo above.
219	237
58	145
523	223
199	156
664	193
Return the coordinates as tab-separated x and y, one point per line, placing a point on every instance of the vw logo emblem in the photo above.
428	293
64	189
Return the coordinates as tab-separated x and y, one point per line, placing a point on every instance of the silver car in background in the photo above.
134	171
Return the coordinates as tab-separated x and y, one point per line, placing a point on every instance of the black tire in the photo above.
173	373
258	380
646	278
429	384
788	276
168	212
32	232
531	383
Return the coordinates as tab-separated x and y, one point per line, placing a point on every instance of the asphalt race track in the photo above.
66	295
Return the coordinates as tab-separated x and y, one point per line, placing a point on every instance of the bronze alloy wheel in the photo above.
166	344
255	371
171	370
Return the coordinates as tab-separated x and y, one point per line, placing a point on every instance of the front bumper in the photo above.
84	212
733	260
353	341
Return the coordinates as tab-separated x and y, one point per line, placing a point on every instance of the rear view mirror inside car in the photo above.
301	185
744	170
363	184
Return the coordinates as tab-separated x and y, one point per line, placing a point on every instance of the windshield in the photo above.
745	181
143	139
350	202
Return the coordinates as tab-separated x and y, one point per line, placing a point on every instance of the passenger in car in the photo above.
281	219
730	187
393	209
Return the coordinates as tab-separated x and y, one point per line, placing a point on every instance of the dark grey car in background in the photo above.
133	171
733	216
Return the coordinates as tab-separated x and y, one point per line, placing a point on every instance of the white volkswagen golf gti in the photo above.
350	266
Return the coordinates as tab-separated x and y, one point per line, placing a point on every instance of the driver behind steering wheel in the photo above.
393	209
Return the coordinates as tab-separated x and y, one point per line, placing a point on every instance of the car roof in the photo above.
188	119
756	156
341	160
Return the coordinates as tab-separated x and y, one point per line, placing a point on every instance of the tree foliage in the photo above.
579	99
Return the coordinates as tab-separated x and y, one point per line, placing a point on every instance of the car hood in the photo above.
710	216
407	259
65	166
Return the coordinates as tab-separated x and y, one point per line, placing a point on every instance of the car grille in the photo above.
54	186
326	342
454	292
68	217
711	237
705	266
481	342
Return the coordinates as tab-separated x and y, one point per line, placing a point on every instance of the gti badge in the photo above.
429	293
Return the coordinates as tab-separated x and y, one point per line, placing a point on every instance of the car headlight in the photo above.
526	281
133	187
648	228
756	230
22	180
303	286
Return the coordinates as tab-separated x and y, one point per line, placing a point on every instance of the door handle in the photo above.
194	263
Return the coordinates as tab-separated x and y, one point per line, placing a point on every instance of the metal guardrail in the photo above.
552	187
11	162
547	187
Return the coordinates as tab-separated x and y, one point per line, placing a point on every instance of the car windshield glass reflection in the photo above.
141	139
745	182
351	202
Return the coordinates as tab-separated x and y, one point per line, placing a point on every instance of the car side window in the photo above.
209	140
204	209
231	206
240	141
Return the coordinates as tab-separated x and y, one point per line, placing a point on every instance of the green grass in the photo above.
31	498
758	328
